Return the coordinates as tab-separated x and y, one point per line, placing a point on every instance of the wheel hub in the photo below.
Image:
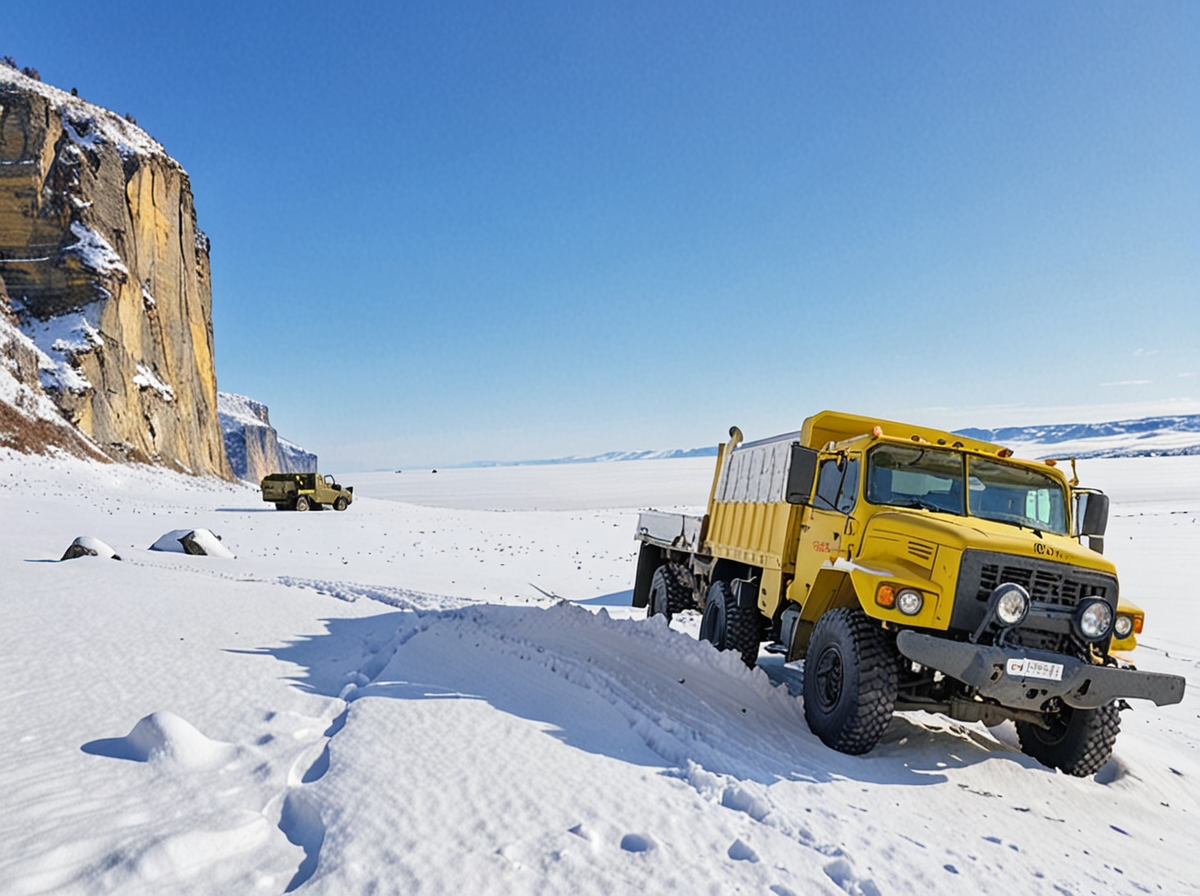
830	675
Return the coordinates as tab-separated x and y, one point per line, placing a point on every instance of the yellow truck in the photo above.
910	569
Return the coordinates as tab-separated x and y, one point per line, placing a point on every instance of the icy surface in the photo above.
384	700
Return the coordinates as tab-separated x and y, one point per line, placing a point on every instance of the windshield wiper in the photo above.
924	505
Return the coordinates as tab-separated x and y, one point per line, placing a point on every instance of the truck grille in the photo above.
1049	584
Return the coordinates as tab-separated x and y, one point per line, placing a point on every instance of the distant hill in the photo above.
607	457
1144	437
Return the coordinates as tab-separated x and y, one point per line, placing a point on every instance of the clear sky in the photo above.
453	231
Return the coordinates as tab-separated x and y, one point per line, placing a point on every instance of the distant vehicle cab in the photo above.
910	569
305	491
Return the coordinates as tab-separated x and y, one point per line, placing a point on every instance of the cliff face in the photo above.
251	443
108	275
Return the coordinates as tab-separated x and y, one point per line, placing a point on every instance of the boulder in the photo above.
86	546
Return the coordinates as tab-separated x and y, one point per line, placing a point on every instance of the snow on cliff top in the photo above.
236	411
99	123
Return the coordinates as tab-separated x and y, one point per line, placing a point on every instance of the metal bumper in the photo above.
1083	686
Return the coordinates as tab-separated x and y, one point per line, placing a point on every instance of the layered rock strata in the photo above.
253	447
108	275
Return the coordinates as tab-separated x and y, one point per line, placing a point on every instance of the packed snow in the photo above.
443	690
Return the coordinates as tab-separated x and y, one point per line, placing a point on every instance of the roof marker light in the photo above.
1004	452
877	432
1051	462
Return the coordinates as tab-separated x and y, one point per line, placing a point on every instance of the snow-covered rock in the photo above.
199	542
87	546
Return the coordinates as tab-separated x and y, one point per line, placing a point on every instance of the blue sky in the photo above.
446	232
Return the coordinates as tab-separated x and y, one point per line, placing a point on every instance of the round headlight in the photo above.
1095	620
1123	627
909	602
1012	603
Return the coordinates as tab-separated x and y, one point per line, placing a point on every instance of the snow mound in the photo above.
200	542
86	546
165	737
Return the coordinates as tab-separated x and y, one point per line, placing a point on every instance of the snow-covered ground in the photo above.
385	701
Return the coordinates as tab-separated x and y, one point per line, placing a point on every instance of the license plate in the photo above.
1023	668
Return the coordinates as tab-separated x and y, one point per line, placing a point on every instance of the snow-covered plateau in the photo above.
443	690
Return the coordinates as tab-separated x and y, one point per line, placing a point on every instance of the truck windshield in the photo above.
1012	494
931	478
914	476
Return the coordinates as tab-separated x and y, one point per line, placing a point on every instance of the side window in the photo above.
837	485
849	487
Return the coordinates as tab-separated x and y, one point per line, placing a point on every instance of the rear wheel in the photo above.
340	503
729	627
670	591
1078	741
850	680
302	503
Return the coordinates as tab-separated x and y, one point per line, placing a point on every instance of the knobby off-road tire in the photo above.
850	680
729	627
302	503
670	591
1079	741
340	503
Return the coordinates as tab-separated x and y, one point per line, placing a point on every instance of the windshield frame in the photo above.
960	504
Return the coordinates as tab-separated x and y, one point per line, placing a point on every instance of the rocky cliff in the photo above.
251	443
108	276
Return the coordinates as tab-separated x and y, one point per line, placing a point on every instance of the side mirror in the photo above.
1094	521
802	472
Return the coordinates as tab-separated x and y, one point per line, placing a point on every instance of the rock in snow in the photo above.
200	542
86	546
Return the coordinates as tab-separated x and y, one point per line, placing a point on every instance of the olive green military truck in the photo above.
910	569
305	491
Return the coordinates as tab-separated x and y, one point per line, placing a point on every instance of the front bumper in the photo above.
1082	686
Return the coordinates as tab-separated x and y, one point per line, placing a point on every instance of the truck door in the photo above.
829	531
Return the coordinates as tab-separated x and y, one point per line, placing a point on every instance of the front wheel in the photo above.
1078	741
340	503
729	627
850	681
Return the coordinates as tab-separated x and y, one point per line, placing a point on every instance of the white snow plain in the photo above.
386	701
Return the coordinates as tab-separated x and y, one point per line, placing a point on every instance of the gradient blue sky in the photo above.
453	231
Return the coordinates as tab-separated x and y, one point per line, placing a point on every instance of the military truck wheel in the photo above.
729	627
340	503
669	591
850	679
1078	741
302	503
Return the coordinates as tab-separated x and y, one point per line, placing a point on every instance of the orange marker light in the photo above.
877	432
886	596
1137	625
1051	462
